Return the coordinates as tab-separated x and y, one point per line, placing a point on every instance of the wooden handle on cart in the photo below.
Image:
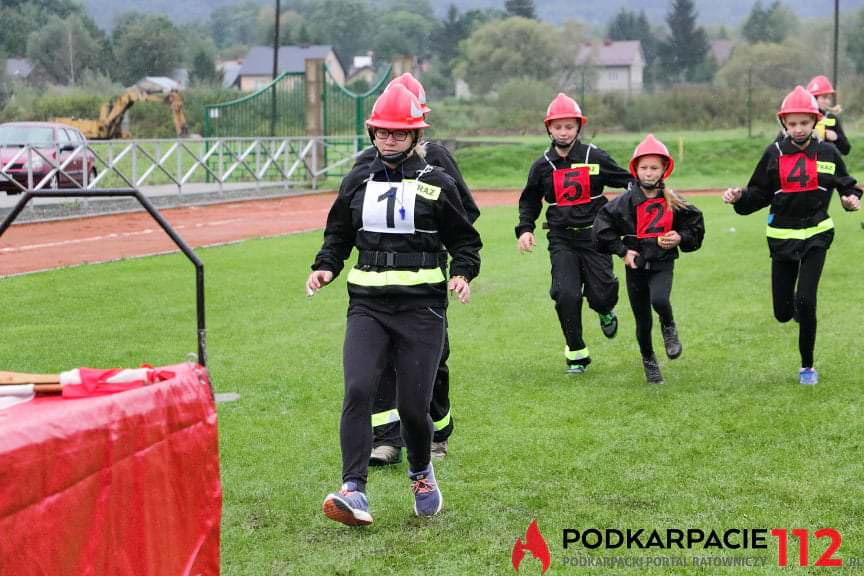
8	378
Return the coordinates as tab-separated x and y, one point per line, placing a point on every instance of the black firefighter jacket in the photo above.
400	221
572	186
797	185
634	222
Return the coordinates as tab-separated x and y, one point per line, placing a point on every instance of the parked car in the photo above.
55	143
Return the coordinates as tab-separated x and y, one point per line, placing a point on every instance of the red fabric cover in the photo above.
96	382
112	485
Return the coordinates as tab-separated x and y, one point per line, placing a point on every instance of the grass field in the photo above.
731	441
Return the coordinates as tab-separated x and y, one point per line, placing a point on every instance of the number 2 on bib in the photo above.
798	173
653	218
572	186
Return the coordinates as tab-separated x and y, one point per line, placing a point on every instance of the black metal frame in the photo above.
130	193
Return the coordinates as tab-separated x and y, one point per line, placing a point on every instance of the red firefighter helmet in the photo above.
799	101
415	87
397	109
651	146
819	86
564	107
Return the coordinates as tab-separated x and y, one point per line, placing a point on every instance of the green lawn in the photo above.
731	441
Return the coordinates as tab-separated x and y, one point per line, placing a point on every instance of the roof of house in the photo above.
18	67
611	53
722	50
158	84
259	60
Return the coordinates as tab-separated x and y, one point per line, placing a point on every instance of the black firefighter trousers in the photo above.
413	339
577	269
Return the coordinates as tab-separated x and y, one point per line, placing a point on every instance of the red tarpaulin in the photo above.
112	485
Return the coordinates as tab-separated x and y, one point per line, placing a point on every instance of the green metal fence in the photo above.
277	109
345	112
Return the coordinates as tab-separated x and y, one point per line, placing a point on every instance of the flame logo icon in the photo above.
535	544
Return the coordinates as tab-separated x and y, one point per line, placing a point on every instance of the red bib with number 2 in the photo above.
572	186
653	218
798	173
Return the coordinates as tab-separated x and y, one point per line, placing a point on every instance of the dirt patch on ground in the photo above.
42	246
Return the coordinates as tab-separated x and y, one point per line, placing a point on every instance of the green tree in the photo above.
20	18
455	27
627	25
146	45
236	24
683	53
203	70
515	48
523	8
771	24
855	44
774	66
391	38
344	24
63	49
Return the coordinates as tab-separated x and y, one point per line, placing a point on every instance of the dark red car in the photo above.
55	143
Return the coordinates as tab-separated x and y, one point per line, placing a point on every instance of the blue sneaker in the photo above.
348	506
427	496
808	376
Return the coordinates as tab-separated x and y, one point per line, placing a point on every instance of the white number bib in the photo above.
389	207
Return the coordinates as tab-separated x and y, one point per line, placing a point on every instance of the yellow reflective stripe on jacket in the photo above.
442	423
575	354
387	417
830	121
395	277
800	233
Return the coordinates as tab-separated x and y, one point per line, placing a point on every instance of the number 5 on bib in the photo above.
572	186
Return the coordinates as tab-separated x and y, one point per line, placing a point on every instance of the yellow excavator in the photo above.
109	124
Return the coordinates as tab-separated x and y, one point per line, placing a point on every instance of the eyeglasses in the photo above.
398	135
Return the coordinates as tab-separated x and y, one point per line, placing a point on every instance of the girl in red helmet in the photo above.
570	177
400	213
829	128
795	179
646	226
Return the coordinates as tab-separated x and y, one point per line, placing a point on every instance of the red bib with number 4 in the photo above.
572	186
653	218
798	173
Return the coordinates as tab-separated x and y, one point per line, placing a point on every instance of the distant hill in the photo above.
729	12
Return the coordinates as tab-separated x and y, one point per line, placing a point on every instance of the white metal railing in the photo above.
139	164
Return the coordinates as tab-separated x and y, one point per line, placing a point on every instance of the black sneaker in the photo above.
609	324
652	370
671	341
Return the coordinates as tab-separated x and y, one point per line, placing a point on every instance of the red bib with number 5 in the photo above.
572	186
653	218
798	173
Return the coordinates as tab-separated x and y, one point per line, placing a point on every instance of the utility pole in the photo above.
275	70
836	38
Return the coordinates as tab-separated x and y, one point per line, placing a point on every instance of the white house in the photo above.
619	65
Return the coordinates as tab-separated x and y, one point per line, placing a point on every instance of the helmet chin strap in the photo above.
652	185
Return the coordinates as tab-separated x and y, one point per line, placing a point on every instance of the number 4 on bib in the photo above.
798	173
